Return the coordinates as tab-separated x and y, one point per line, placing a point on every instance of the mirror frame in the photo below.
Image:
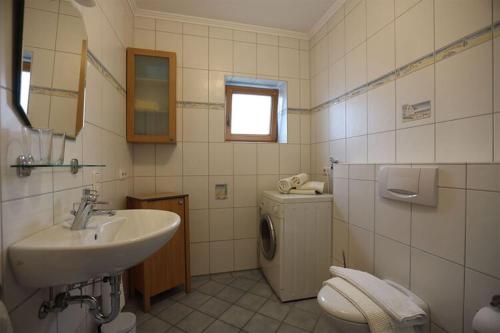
17	48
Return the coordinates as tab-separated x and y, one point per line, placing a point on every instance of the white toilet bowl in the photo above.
347	319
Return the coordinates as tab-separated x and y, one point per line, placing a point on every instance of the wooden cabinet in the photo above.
151	96
169	267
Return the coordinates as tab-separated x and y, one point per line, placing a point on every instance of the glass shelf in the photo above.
57	166
25	164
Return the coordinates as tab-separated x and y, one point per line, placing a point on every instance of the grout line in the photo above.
466	200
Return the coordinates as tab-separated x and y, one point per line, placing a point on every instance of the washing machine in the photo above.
295	243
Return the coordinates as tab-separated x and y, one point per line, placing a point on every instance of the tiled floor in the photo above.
226	303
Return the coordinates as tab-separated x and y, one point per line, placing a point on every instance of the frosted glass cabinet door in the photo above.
151	96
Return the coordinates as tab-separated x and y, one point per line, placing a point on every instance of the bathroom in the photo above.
360	86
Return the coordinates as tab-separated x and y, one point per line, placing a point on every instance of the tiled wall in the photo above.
369	60
37	202
448	255
223	232
360	81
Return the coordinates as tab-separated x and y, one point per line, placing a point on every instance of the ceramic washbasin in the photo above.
110	244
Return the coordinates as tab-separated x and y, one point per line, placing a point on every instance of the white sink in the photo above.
110	244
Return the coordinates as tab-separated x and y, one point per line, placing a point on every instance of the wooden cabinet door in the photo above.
166	268
151	96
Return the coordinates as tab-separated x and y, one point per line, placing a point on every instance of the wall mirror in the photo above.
50	59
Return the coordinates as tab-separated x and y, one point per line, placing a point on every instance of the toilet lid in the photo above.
338	306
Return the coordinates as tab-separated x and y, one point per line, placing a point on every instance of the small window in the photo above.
251	114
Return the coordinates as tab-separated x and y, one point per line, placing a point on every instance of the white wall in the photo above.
37	202
223	232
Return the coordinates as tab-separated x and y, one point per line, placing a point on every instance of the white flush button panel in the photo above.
415	185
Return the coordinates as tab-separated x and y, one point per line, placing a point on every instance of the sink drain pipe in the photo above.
64	299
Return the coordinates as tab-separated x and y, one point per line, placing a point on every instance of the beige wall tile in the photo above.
483	210
440	230
392	261
441	284
415	33
464	85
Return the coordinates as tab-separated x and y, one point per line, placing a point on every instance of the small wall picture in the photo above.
220	191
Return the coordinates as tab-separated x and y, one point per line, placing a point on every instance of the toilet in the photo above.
347	319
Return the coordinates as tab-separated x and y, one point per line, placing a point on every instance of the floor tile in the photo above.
215	307
229	303
176	294
309	305
243	284
224	278
161	305
211	288
153	325
221	327
285	328
324	325
301	319
253	274
275	310
195	322
140	316
175	313
261	324
274	297
251	302
194	299
230	294
262	289
236	316
198	281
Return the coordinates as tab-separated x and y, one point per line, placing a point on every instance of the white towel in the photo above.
303	192
396	304
377	319
319	187
5	324
300	179
285	185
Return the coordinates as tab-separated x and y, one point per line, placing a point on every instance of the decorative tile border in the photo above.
180	104
105	72
456	47
53	92
221	106
477	38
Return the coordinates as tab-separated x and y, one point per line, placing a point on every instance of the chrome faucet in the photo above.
86	209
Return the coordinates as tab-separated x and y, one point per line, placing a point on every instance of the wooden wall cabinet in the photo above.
151	96
169	267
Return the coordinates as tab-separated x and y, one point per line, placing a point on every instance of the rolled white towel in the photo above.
300	179
285	185
319	187
303	192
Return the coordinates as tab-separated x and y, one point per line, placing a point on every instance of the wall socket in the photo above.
325	171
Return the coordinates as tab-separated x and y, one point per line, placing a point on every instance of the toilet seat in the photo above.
338	306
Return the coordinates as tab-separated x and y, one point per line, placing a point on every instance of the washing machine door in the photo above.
267	237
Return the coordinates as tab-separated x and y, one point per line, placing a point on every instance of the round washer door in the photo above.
267	237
